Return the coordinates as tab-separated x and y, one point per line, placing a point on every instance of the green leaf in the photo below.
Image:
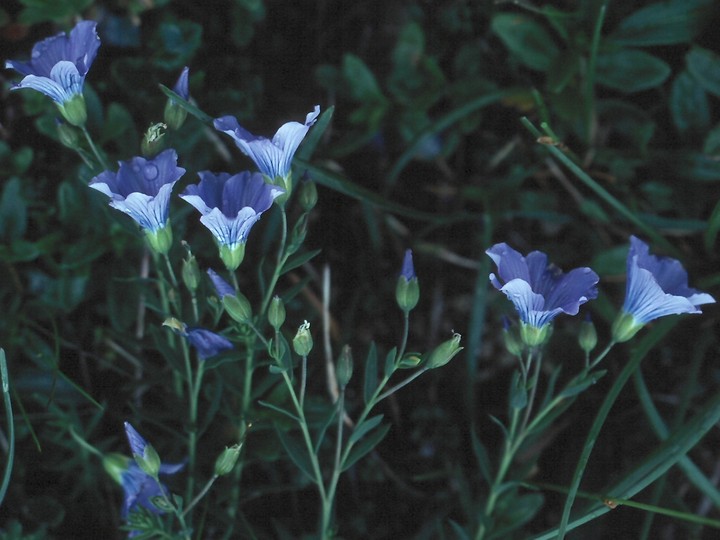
365	446
526	39
580	386
711	146
665	23
13	211
363	428
631	70
298	260
297	453
390	362
562	69
689	104
704	65
518	392
713	227
37	11
279	409
313	138
481	455
371	371
363	84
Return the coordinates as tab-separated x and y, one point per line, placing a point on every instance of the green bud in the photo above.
153	140
444	352
308	195
513	343
625	327
407	293
532	336
238	307
587	336
191	273
149	462
174	115
232	256
175	325
303	341
344	369
161	240
226	460
68	135
410	360
74	111
276	313
115	465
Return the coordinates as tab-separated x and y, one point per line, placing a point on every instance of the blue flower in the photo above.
181	86
407	289
207	343
272	157
139	486
656	286
540	291
141	188
230	206
58	66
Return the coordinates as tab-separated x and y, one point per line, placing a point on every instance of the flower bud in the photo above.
532	336
588	335
160	241
308	195
68	135
115	465
344	369
74	110
625	327
511	337
303	341
152	142
174	115
407	290
410	360
191	273
175	325
232	256
444	352
276	313
238	307
149	462
226	460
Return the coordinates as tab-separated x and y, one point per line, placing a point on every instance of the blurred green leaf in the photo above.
363	428
119	127
631	70
365	446
689	104
665	23
562	69
704	65
371	373
297	452
175	43
13	211
37	11
526	39
711	146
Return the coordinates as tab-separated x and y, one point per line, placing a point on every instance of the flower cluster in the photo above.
656	287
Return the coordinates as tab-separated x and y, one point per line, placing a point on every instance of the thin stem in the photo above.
95	151
11	425
170	270
200	495
533	392
406	332
399	385
281	258
176	511
303	380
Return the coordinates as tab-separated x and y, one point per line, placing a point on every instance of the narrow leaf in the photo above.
363	428
297	453
371	381
365	446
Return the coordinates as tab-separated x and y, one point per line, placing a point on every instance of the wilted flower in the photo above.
540	291
222	287
58	66
272	157
207	343
656	286
141	188
230	206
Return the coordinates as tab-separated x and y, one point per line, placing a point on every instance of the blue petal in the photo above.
207	343
83	45
509	262
137	443
408	269
222	287
181	86
230	231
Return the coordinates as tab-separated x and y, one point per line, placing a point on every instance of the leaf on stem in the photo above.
365	446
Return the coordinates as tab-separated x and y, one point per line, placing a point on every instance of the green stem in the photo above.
200	495
95	151
590	78
170	270
303	380
11	425
399	385
281	259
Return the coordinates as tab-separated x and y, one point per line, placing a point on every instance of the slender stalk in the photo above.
399	385
11	425
533	392
100	159
281	259
303	380
170	270
200	495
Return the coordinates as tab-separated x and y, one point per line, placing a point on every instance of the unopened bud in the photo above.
191	273
226	460
444	352
238	307
308	195
344	369
588	335
407	290
276	313
303	341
